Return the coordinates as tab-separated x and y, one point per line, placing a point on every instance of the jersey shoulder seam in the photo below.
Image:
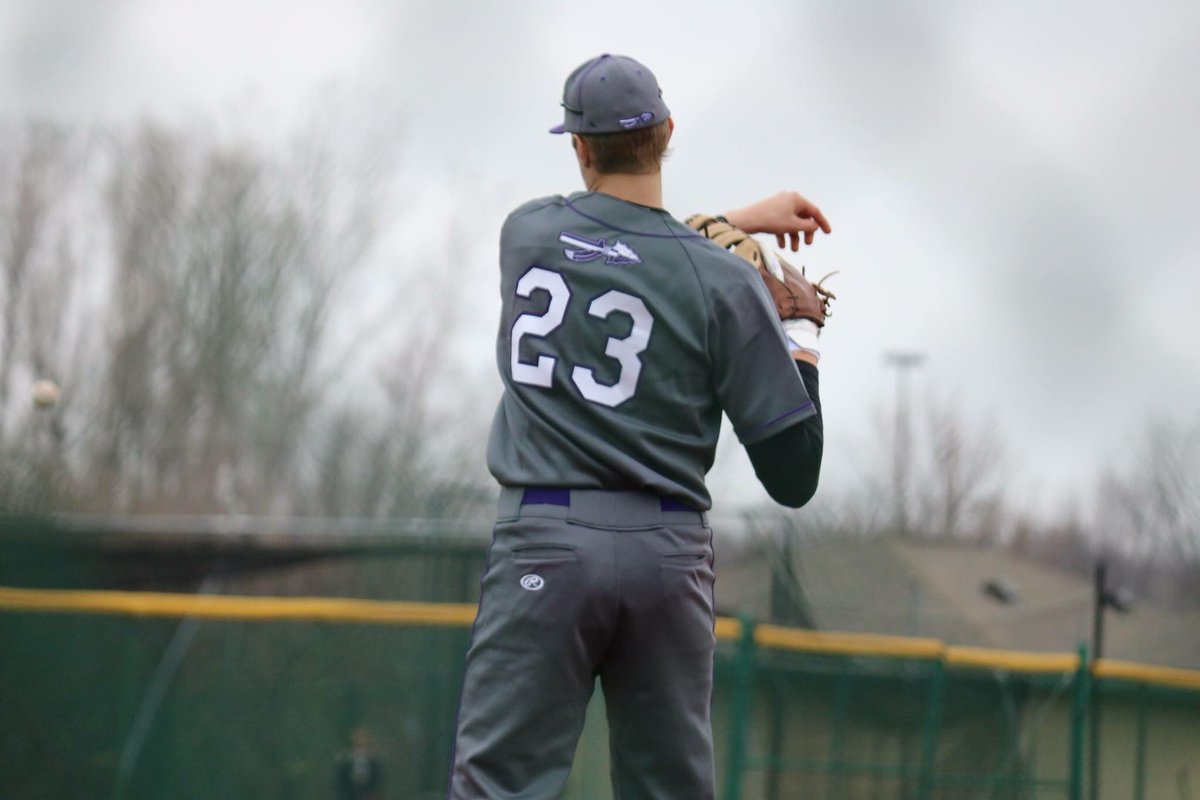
665	218
531	206
708	315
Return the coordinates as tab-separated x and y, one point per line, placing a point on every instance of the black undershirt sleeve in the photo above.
788	464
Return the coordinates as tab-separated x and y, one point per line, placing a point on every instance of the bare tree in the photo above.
226	277
208	375
31	184
1153	505
961	473
420	453
146	204
39	306
955	476
1149	512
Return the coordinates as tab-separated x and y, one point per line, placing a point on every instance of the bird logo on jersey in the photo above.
589	249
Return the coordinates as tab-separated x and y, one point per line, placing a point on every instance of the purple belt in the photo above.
549	496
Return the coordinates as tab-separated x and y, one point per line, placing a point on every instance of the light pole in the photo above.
904	362
1119	601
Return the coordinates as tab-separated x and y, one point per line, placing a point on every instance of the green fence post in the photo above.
929	735
127	703
1079	722
743	676
837	742
1139	774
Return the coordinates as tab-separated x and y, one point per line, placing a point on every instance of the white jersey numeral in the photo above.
626	351
538	325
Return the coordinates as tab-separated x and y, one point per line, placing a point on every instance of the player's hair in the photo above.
636	152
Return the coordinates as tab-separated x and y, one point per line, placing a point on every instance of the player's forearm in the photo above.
788	215
788	464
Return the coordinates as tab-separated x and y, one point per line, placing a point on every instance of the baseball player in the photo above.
624	334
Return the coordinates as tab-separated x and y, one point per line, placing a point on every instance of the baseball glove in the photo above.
795	297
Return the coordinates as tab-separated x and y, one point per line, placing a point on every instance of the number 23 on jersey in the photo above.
625	351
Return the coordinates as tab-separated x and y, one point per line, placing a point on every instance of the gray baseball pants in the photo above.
610	585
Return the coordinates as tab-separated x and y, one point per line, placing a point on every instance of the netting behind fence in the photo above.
105	706
118	702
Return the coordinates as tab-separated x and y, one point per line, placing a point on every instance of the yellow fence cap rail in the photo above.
1010	660
1146	673
161	604
335	609
727	628
864	644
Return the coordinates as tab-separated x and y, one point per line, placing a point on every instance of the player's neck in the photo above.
644	190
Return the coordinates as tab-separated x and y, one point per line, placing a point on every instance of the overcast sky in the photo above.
1014	187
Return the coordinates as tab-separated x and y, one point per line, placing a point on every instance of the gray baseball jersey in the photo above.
623	336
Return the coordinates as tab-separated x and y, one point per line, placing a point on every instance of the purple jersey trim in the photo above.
612	227
770	422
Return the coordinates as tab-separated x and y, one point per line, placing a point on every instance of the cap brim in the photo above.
560	128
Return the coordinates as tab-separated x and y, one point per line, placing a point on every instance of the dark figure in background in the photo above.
359	776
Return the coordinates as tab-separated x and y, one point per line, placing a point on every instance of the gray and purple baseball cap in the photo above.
610	94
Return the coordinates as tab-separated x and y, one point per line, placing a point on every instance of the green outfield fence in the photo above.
112	694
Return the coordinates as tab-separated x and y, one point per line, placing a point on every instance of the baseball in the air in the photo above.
45	393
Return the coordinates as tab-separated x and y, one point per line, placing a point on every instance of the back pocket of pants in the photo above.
686	600
542	553
687	574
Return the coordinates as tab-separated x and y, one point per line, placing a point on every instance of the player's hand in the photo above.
786	214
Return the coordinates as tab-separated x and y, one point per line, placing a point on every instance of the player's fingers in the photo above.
779	239
806	226
807	209
795	241
820	218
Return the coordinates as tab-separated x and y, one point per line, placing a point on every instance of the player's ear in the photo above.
670	127
582	152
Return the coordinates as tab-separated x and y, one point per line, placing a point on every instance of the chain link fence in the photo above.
230	690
